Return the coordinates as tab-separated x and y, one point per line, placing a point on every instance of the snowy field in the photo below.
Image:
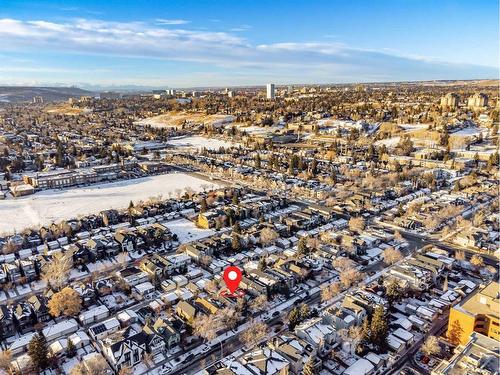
187	231
389	142
469	132
197	142
50	206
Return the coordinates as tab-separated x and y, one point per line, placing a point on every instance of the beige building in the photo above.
478	100
450	100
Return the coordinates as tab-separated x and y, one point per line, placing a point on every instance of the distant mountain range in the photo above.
17	94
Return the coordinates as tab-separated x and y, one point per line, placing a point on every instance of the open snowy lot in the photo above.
197	142
175	119
187	231
55	205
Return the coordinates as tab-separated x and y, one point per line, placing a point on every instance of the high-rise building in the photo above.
477	313
270	91
450	100
478	100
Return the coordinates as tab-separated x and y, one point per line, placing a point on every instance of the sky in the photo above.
189	43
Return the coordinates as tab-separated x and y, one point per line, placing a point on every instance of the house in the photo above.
133	276
6	321
209	219
186	311
39	307
93	315
178	263
361	366
87	293
145	289
295	350
126	348
404	335
155	266
344	316
166	331
13	272
126	240
62	329
104	329
23	316
265	361
28	269
315	332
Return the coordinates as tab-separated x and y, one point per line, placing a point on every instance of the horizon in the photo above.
183	45
139	88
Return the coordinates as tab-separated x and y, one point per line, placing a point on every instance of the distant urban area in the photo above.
364	219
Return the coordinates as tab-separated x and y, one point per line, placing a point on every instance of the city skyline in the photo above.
181	45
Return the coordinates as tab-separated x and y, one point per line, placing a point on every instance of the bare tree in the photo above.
350	277
268	236
391	255
94	366
256	332
431	346
260	303
56	272
228	317
343	263
356	223
148	360
66	302
330	291
206	326
477	261
5	361
122	259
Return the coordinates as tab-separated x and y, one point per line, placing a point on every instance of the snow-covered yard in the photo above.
187	231
197	142
55	205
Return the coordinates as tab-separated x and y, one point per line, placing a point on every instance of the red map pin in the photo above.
232	278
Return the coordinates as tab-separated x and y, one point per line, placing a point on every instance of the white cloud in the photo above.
292	61
163	21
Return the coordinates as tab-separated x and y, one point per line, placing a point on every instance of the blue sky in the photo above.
223	43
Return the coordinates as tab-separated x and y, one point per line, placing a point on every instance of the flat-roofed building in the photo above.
480	355
479	312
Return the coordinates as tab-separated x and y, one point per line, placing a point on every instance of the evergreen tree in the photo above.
302	246
262	264
314	167
38	351
379	328
365	331
71	349
257	161
235	242
203	205
293	318
236	227
392	292
304	312
235	199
